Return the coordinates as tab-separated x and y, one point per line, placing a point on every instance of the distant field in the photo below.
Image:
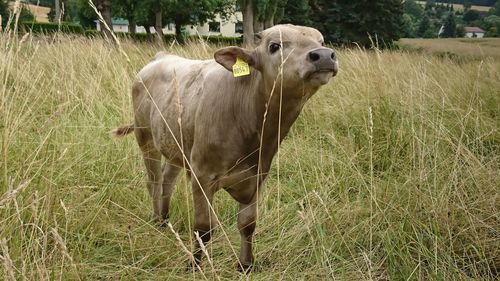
464	47
390	173
461	7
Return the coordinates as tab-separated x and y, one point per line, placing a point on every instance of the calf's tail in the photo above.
122	130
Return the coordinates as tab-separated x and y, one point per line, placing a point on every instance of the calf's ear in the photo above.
227	57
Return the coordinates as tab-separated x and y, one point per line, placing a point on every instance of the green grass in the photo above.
390	173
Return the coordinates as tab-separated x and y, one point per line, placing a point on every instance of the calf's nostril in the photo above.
333	56
313	56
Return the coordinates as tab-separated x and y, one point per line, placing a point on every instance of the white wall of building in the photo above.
471	34
227	27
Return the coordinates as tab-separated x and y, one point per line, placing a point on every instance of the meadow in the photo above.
455	48
390	173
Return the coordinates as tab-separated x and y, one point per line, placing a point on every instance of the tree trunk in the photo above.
104	7
258	26
132	26
159	25
57	16
178	32
269	22
248	17
269	15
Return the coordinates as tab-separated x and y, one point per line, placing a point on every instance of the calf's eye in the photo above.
274	47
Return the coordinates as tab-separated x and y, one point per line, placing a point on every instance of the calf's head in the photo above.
298	49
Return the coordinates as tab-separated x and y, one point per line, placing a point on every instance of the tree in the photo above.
429	4
345	22
127	9
4	13
25	15
409	26
192	12
248	10
467	5
412	8
495	10
450	26
460	30
267	12
492	24
297	12
412	13
492	32
424	25
145	15
104	7
70	10
85	14
471	15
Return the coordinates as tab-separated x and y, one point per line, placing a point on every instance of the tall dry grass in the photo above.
390	173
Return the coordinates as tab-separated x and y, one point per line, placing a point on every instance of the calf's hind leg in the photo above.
170	173
152	161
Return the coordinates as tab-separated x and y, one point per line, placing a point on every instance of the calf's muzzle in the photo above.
324	59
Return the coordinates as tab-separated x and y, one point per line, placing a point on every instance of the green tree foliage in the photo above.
493	32
297	12
86	14
126	9
145	14
471	15
26	15
70	10
460	30
495	10
492	24
192	12
429	4
4	12
425	24
268	12
412	8
449	26
409	27
412	14
347	22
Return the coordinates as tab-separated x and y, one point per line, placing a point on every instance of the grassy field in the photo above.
390	173
459	49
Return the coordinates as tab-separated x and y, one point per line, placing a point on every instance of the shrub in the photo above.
144	37
51	27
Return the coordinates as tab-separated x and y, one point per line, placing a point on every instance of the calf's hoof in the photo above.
158	220
244	268
192	267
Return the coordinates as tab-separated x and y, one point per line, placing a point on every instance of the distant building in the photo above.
232	27
474	32
40	13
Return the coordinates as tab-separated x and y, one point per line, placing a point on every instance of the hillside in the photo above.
482	6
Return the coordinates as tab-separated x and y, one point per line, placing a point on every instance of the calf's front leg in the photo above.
247	218
204	217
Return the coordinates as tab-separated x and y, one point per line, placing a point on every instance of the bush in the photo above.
92	33
223	40
144	37
51	27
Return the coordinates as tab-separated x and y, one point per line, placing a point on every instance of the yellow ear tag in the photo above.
241	68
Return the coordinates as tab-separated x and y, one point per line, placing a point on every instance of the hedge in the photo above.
144	37
67	27
52	27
